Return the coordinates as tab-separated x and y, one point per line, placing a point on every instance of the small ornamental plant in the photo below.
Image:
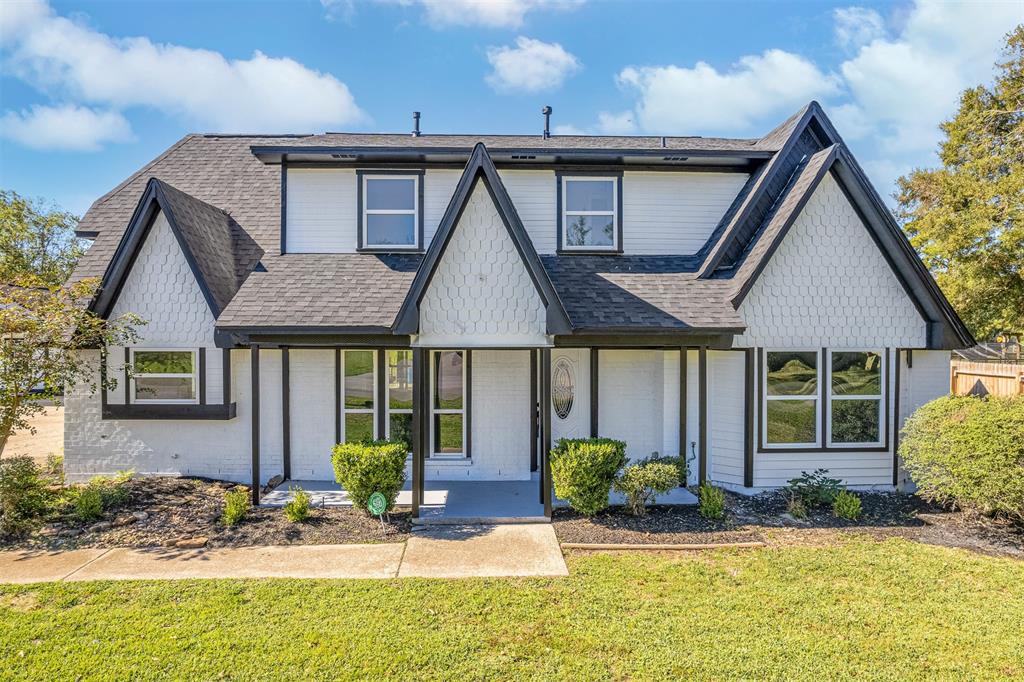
814	490
236	506
363	469
711	501
846	506
583	471
89	503
298	508
641	482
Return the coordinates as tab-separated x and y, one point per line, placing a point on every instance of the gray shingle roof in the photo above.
640	293
338	290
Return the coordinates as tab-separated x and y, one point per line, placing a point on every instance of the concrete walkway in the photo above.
448	552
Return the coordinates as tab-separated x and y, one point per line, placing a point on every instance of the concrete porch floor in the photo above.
461	501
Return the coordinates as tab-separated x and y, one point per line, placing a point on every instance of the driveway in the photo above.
48	439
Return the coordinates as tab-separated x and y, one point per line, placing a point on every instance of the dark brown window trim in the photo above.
618	250
419	247
853	447
159	411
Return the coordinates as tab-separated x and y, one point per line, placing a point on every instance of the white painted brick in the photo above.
312	413
828	285
628	408
501	417
481	293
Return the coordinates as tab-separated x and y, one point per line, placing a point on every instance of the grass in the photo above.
866	610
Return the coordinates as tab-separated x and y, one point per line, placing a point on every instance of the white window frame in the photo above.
817	397
414	212
435	411
387	390
358	410
883	378
194	376
614	180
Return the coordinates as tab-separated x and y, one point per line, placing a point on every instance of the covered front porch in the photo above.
460	501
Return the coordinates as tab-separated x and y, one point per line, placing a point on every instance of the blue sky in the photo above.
90	91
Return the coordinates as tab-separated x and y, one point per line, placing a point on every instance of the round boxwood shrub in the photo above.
583	470
970	452
641	482
365	468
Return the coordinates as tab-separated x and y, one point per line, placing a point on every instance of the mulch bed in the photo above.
163	511
763	518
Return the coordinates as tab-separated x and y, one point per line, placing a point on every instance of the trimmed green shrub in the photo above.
23	495
641	482
846	506
365	468
711	502
970	452
89	503
682	468
815	489
297	509
236	506
583	470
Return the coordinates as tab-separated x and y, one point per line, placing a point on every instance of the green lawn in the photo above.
892	610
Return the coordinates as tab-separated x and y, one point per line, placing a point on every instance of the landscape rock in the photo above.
100	526
124	520
50	530
275	481
192	543
140	515
70	532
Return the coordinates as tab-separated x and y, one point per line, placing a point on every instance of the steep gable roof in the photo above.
219	253
945	328
480	168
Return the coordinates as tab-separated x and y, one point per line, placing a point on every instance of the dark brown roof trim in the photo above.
481	168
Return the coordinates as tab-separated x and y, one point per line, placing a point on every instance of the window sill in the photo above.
449	461
790	449
383	250
588	252
171	411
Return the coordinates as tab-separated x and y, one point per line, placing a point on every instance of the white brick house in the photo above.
748	304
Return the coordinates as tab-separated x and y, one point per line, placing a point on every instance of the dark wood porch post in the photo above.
545	422
254	351
419	432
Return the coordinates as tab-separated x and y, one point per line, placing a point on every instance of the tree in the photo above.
38	245
42	331
966	219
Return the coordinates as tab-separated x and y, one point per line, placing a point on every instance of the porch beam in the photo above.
254	351
419	432
594	392
286	415
702	378
545	420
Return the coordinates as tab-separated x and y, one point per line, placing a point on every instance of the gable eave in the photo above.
151	204
480	168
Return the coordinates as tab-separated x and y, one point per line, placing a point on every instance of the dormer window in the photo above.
590	217
390	211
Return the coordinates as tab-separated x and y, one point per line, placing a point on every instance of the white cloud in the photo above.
73	62
567	129
339	9
857	26
67	127
530	66
702	98
489	13
616	124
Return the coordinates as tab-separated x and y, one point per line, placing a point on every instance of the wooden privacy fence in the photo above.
1005	379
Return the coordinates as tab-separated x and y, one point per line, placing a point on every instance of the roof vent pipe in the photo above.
415	124
547	121
663	145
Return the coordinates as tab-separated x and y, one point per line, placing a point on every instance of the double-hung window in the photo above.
448	403
840	392
590	213
390	216
855	406
358	403
399	396
164	376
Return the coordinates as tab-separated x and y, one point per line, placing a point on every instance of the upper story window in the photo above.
164	376
591	214
391	211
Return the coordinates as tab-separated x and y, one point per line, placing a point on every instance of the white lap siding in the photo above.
311	406
726	422
630	400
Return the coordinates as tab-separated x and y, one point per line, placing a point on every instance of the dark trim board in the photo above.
381	397
467	403
226	375
645	341
255	419
744	167
202	375
534	410
363	172
286	415
127	376
896	419
559	200
595	378
284	204
337	395
163	411
545	400
683	445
